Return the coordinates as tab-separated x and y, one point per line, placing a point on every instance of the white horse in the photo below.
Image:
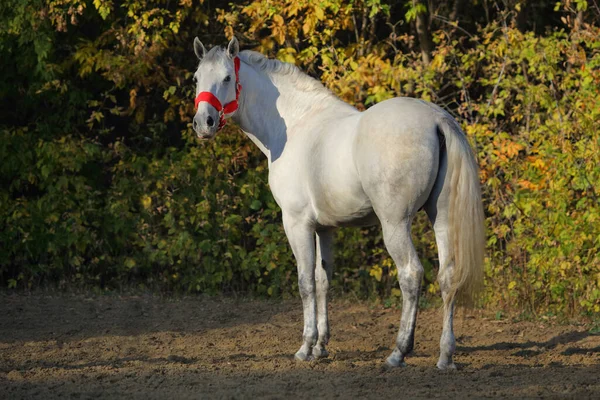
331	165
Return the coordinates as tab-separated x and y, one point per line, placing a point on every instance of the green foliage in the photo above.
414	9
104	184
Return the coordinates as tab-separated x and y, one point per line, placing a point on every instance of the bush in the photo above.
104	185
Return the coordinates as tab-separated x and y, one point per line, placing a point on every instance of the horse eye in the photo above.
227	78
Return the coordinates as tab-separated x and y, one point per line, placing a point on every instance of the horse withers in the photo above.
331	165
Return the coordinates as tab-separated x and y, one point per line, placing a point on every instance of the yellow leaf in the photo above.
376	272
319	13
132	98
280	37
146	202
511	285
306	28
278	19
229	32
438	61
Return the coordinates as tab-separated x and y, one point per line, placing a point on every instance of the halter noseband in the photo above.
230	107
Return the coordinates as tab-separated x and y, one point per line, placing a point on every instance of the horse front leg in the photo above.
323	274
301	236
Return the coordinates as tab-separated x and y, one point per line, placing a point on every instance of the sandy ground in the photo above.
59	346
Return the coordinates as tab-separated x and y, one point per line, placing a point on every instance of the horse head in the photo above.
217	87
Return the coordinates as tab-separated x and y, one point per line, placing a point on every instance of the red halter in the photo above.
230	107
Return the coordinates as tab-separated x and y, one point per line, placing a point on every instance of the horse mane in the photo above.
275	68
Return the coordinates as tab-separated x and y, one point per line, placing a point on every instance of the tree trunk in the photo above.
422	25
456	9
575	31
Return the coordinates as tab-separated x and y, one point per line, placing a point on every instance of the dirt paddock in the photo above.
58	346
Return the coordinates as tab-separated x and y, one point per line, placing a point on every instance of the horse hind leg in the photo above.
437	209
410	273
447	340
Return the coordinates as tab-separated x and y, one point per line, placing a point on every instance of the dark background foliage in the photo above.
103	184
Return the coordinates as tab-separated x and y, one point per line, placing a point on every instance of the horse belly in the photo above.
343	208
359	219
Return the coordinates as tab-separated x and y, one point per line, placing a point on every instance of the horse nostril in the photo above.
210	121
195	125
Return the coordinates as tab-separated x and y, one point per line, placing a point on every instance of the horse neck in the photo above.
270	108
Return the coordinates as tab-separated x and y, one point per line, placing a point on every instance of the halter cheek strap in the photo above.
230	107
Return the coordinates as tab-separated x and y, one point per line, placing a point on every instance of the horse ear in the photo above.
233	48
199	49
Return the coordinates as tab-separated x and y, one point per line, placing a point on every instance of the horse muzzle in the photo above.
206	125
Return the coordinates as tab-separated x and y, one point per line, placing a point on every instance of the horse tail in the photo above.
466	230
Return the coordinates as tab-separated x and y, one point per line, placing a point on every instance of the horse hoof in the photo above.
319	353
392	362
444	366
301	356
